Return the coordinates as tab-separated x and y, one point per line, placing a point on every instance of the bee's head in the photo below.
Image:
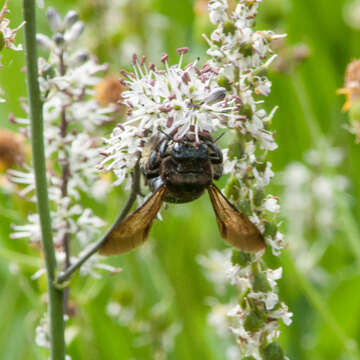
189	157
187	167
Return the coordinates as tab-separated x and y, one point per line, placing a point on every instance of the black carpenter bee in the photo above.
179	172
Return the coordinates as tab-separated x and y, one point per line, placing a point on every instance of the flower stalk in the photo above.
241	56
65	173
56	314
92	249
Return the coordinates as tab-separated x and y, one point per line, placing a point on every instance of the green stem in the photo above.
304	101
56	313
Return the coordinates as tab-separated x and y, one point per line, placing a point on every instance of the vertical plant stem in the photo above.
304	101
37	138
65	169
350	227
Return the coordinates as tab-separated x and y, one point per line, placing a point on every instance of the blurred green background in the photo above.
163	284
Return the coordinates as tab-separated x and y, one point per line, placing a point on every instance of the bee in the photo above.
180	172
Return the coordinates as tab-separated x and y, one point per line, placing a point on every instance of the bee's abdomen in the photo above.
177	192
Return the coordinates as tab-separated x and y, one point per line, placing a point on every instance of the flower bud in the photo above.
229	27
70	18
245	207
270	229
246	110
58	39
260	283
253	322
46	70
246	49
224	82
259	196
44	42
240	258
54	20
261	166
273	351
74	32
232	187
79	58
216	95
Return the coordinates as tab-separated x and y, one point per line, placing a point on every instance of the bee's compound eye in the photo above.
153	160
163	147
177	147
203	147
215	153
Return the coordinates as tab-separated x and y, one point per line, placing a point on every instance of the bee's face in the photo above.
185	167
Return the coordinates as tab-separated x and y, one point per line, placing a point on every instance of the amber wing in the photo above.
134	230
235	228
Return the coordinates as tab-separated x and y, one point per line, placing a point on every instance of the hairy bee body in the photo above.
179	172
186	167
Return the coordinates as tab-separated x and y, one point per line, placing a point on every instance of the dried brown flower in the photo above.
12	149
351	88
109	90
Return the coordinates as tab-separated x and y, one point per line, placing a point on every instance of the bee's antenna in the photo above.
219	137
167	135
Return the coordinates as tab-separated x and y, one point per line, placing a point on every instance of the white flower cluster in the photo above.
218	95
7	35
241	56
71	117
309	206
253	318
175	100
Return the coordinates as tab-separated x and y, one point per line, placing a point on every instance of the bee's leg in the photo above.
217	171
154	161
163	147
216	158
155	183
